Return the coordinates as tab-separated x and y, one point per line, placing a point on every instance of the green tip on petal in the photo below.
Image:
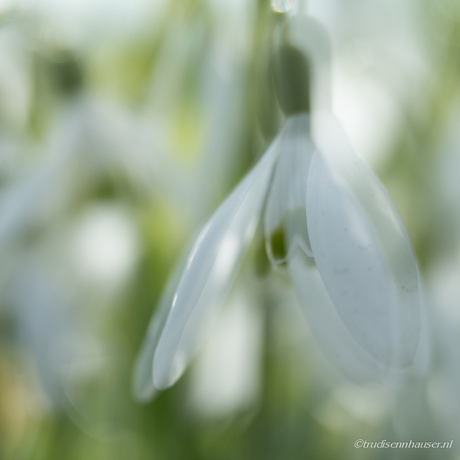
277	244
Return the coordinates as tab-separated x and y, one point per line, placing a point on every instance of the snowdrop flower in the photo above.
329	220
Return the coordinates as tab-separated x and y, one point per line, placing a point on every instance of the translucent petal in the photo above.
362	249
143	388
328	329
210	269
285	219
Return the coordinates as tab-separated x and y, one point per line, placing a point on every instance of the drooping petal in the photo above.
328	329
143	388
209	271
285	219
362	249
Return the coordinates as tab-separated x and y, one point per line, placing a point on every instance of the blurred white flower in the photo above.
105	245
227	376
329	219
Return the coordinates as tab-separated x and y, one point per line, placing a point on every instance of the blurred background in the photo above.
123	124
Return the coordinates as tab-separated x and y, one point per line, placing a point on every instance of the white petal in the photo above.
285	215
209	272
328	329
143	388
362	249
349	261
